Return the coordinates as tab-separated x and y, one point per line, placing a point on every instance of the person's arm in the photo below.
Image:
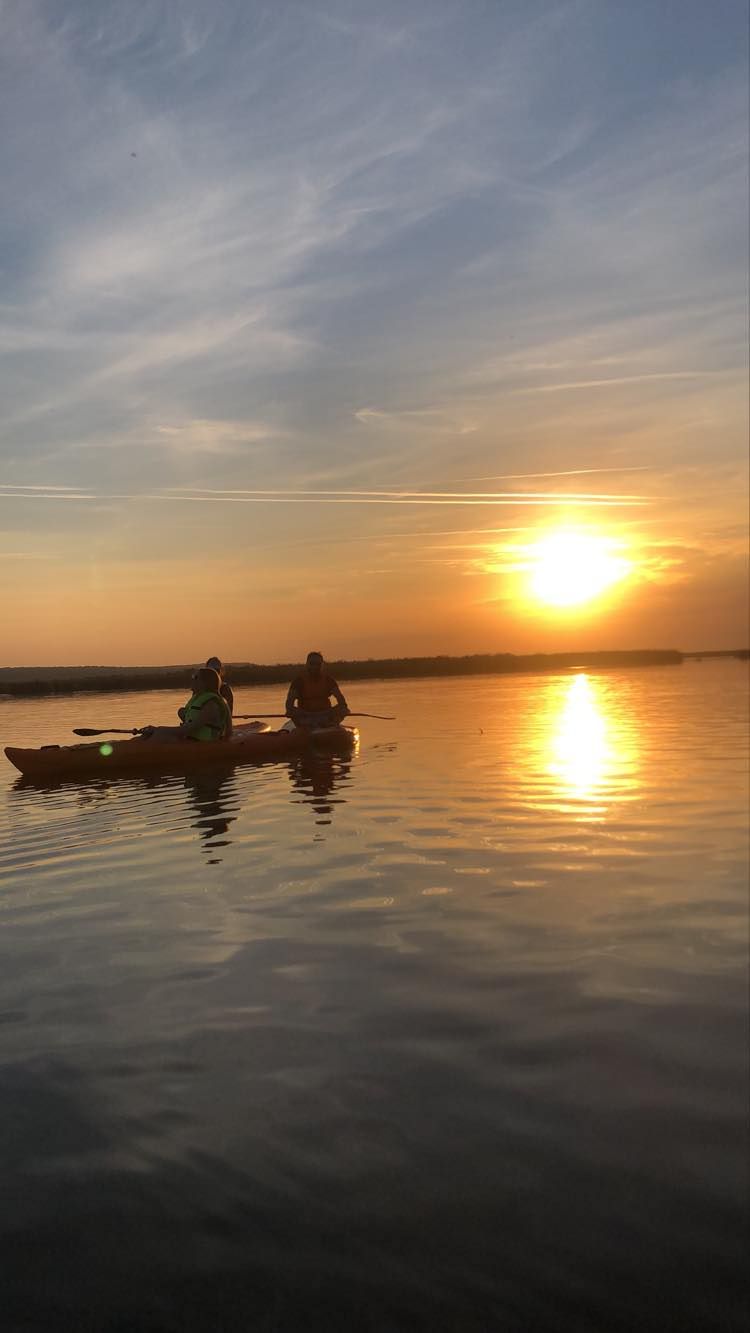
338	696
228	695
291	697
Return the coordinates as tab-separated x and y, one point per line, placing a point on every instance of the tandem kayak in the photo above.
250	743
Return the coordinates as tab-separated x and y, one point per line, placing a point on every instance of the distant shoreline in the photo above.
37	681
30	681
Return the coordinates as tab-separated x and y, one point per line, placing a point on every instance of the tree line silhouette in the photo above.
74	680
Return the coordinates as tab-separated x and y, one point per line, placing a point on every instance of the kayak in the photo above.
252	742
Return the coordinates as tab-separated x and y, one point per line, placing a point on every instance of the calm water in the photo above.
447	1035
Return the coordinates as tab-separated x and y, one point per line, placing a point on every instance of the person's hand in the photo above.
181	714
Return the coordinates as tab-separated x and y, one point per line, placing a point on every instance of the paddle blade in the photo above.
103	731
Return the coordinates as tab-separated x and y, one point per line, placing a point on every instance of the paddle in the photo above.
103	731
382	717
241	717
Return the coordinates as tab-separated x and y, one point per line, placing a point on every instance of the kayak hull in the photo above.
103	758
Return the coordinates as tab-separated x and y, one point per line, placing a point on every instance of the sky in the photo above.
320	320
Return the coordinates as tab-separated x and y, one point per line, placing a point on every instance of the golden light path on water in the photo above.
586	744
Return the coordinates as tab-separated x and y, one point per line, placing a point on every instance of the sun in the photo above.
568	568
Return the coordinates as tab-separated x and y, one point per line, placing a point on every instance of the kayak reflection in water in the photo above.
205	716
308	702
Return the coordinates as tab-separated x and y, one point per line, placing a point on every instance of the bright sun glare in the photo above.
568	568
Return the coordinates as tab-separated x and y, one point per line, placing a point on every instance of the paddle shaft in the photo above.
383	717
242	717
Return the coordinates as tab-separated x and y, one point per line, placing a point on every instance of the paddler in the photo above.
308	702
225	689
205	716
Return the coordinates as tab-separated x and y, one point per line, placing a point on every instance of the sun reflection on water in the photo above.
589	744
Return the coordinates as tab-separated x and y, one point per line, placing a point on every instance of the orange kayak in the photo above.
251	742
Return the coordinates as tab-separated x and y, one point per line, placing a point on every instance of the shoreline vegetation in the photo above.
19	682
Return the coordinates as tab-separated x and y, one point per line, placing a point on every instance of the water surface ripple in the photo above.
449	1034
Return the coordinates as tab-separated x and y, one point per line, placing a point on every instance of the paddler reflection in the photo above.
316	777
213	802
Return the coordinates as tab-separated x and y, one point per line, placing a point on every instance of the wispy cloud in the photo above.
615	381
291	496
435	420
27	555
44	493
440	499
568	472
214	437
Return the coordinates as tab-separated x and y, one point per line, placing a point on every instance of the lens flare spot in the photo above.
105	749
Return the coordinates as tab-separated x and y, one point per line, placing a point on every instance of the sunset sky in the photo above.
342	325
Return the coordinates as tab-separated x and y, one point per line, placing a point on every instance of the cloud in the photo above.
313	496
435	420
28	555
567	472
213	437
514	499
616	381
43	493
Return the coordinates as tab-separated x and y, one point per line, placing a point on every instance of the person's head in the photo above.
206	679
215	664
314	663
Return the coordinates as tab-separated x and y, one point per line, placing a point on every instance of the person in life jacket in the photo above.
205	716
225	690
308	702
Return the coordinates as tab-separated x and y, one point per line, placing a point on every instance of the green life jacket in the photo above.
208	732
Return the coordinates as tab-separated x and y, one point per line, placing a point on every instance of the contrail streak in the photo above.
42	494
8	486
574	472
197	495
344	496
595	502
622	379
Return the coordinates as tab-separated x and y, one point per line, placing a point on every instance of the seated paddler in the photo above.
225	689
308	702
205	716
